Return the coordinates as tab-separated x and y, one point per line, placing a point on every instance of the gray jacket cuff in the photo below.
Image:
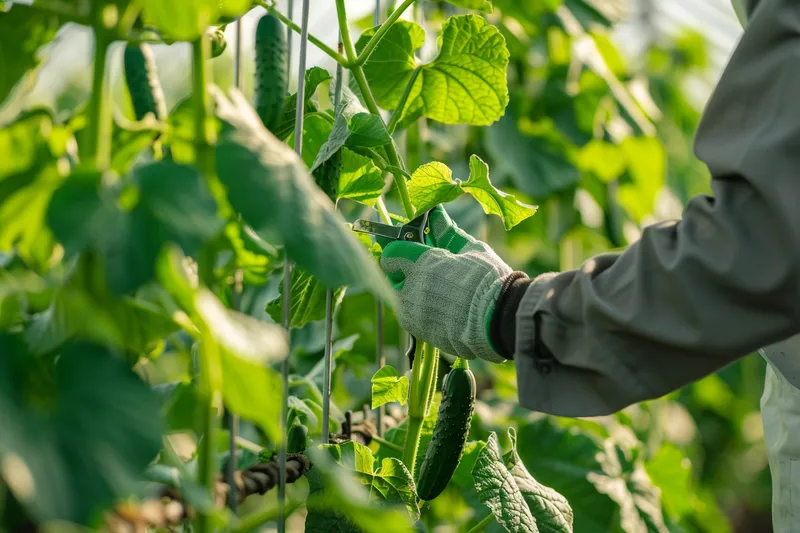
580	387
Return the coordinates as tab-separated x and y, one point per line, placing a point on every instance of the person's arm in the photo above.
690	296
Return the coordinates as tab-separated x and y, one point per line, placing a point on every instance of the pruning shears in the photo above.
414	231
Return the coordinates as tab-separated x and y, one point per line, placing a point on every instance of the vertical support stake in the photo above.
287	266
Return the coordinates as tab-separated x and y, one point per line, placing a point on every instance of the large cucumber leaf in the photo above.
389	488
173	205
464	84
246	347
33	150
433	184
389	386
268	184
517	500
78	435
604	481
484	6
186	20
23	30
308	300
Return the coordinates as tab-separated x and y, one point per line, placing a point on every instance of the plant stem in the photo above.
480	526
210	375
390	445
412	442
344	32
333	54
391	150
375	39
427	378
401	105
369	100
98	127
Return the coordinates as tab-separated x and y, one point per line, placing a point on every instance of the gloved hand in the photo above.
449	290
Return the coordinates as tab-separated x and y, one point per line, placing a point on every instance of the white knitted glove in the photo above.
448	288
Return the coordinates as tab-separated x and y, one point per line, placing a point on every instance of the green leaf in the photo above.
32	149
603	480
336	139
537	164
432	184
180	20
247	347
173	206
647	166
484	6
269	186
367	130
308	300
80	309
464	84
498	490
23	31
603	159
391	482
549	508
314	77
493	200
340	501
78	434
389	386
359	180
186	20
316	133
671	472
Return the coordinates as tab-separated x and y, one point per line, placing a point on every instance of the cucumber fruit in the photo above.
450	431
141	78
272	76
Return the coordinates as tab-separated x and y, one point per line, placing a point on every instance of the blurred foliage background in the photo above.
600	138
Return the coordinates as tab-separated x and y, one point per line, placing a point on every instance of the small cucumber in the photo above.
450	431
272	76
143	84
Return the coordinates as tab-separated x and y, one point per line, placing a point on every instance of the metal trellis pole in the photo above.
379	354
287	269
328	366
231	420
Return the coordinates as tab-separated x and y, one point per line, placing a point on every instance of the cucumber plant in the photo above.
139	299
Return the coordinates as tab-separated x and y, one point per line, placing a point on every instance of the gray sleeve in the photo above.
694	295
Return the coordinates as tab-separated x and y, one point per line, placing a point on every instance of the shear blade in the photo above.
376	228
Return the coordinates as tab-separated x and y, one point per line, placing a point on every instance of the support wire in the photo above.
287	265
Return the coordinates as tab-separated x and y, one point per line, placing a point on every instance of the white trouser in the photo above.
780	412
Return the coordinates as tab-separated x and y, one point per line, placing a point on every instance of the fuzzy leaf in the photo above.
484	6
359	180
464	84
498	490
389	386
308	300
269	186
433	184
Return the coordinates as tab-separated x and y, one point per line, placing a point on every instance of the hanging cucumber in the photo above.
143	84
272	74
450	432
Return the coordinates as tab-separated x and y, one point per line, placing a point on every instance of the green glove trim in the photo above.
408	250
